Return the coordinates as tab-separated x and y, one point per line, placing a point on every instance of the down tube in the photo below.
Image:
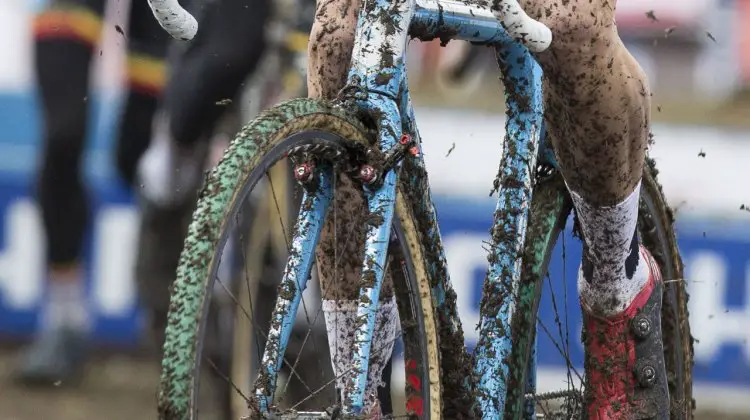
522	80
301	254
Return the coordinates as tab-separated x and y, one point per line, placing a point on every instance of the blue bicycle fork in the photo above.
315	203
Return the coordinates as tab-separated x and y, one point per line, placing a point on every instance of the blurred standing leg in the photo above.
66	34
212	67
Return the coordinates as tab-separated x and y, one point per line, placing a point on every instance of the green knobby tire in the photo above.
226	186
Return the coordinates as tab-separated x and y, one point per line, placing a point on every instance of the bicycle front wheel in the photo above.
550	209
326	132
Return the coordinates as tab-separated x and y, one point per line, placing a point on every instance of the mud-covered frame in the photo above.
377	82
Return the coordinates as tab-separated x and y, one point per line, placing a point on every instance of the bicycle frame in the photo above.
378	71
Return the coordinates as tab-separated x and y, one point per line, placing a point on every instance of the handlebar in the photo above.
536	36
177	21
533	34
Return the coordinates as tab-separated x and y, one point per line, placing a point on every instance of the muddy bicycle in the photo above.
369	133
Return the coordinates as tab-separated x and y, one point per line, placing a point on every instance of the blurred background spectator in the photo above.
697	56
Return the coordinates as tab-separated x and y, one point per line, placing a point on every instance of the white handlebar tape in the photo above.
177	21
535	35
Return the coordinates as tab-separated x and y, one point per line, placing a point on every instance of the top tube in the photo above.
467	20
454	19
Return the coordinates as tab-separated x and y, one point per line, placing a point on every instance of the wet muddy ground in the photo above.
115	388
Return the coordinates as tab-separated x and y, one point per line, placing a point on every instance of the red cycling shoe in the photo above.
625	373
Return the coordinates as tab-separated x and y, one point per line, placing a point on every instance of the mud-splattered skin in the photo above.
597	99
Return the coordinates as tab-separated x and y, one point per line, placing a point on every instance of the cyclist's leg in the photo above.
330	50
213	67
66	33
145	79
598	114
